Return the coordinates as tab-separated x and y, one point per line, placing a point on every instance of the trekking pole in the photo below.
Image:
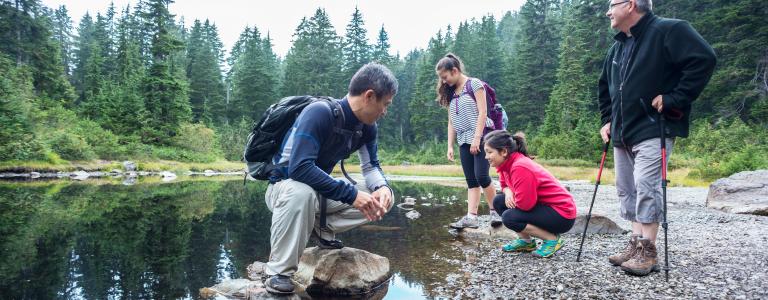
664	182
594	194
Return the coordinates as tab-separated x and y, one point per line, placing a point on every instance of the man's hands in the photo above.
605	132
384	195
658	103
369	206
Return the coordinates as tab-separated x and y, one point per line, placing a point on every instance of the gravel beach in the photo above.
713	255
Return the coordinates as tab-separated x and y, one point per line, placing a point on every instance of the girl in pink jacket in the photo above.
533	202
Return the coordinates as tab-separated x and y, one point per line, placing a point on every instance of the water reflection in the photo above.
157	241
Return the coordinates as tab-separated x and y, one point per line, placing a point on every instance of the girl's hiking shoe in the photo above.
549	247
465	222
519	245
495	219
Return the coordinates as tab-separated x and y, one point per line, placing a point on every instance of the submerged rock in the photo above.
413	215
741	193
341	272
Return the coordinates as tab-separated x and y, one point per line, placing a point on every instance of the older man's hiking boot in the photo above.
644	262
279	284
627	253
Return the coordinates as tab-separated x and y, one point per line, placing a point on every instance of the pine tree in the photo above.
254	79
164	90
428	119
206	88
313	65
26	36
62	33
534	64
356	50
381	49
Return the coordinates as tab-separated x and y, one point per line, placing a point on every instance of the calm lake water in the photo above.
152	240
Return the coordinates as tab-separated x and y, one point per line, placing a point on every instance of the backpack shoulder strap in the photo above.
338	114
468	88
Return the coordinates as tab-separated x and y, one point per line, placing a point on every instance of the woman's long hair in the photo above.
502	139
445	91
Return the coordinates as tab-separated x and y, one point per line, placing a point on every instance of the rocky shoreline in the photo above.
129	171
713	255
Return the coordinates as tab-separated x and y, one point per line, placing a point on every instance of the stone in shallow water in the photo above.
342	272
741	193
413	215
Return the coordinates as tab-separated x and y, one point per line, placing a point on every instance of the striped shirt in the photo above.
464	113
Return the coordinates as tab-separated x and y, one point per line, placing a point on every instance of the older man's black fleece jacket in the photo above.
669	58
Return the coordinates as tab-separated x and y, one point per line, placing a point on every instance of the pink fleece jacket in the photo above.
532	184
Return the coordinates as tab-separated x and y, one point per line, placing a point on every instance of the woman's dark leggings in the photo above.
541	216
475	167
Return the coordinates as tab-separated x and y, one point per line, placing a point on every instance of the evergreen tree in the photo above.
127	106
254	79
572	119
313	65
62	33
381	48
534	64
164	90
428	119
19	141
356	50
25	35
206	88
395	128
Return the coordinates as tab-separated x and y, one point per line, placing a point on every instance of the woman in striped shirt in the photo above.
467	122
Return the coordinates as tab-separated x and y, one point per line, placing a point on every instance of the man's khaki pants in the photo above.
295	210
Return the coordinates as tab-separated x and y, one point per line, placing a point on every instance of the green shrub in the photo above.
103	142
70	146
724	149
232	139
196	138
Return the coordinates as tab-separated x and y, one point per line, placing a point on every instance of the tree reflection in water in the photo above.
151	240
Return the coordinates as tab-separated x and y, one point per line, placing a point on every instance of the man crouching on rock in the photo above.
310	150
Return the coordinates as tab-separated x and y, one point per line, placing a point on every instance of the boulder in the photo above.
341	272
741	193
129	166
79	175
597	225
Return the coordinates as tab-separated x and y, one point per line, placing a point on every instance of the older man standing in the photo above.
655	69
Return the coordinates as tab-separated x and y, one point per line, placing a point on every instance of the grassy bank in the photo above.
677	177
105	166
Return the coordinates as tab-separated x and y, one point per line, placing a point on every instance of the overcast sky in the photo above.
409	24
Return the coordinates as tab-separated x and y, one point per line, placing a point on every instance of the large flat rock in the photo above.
741	193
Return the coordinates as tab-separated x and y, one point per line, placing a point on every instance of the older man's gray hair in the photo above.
645	6
375	77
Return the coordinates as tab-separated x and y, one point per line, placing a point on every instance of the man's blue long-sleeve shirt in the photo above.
312	148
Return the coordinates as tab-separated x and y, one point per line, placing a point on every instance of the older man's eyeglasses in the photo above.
612	5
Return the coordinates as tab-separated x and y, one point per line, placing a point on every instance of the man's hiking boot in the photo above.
279	284
644	262
549	247
519	245
465	222
626	254
495	219
325	244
